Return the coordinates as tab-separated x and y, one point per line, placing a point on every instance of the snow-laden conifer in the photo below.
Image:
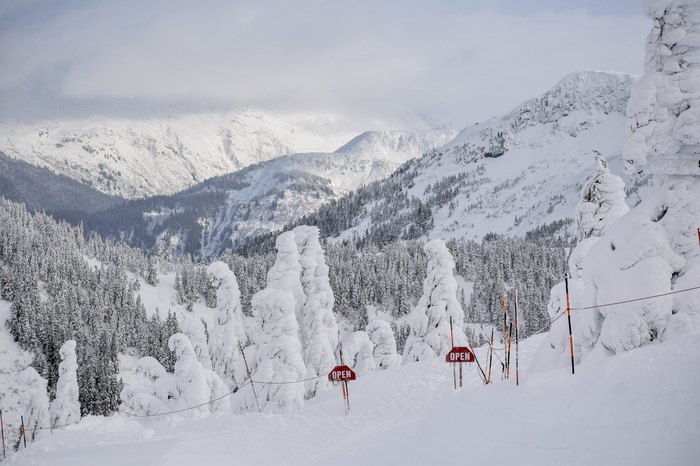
278	351
149	390
194	328
65	408
358	352
382	337
430	319
318	327
191	385
229	333
602	202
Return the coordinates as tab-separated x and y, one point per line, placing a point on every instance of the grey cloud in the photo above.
444	60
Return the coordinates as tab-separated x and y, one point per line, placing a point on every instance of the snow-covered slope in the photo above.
507	175
630	409
225	211
139	157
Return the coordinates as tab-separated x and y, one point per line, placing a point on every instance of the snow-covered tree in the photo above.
359	353
191	387
602	203
664	107
229	334
150	390
65	408
285	274
317	324
430	319
278	351
35	401
194	328
382	337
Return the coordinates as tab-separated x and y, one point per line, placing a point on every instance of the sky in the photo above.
399	62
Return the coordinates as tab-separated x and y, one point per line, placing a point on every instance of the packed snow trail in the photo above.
636	408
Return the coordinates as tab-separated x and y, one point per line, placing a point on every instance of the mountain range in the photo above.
510	175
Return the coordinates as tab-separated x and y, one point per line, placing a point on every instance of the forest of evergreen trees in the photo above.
64	286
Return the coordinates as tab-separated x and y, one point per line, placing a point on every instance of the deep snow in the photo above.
636	408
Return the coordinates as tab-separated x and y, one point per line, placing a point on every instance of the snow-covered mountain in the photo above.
507	175
140	157
225	211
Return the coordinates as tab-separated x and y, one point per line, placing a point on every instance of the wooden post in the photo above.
568	315
505	330
517	382
454	369
488	380
250	377
22	433
347	398
478	365
2	430
344	384
510	334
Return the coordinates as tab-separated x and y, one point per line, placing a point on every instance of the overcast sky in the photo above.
455	61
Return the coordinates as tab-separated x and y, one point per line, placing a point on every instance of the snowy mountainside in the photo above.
134	158
507	175
225	211
59	195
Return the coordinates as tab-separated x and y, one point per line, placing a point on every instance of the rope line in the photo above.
636	299
224	396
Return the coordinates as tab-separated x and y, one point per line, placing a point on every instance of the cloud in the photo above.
447	60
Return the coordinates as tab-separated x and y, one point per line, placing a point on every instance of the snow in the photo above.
65	408
139	157
534	172
628	409
665	105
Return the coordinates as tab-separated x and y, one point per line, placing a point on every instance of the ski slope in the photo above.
637	408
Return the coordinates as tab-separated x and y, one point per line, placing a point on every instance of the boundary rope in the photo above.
224	396
636	299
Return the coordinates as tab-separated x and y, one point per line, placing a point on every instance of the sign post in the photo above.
458	355
342	374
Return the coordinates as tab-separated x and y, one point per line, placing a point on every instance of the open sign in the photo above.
341	374
460	354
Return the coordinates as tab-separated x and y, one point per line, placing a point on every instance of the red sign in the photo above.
460	354
341	374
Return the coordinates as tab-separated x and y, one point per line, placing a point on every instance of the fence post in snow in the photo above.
250	377
22	434
2	430
517	382
568	315
452	342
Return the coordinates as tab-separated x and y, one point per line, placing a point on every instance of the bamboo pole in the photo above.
488	380
505	330
517	381
343	384
22	432
2	430
452	342
250	377
568	315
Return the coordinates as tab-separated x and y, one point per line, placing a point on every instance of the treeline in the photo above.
390	278
63	287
